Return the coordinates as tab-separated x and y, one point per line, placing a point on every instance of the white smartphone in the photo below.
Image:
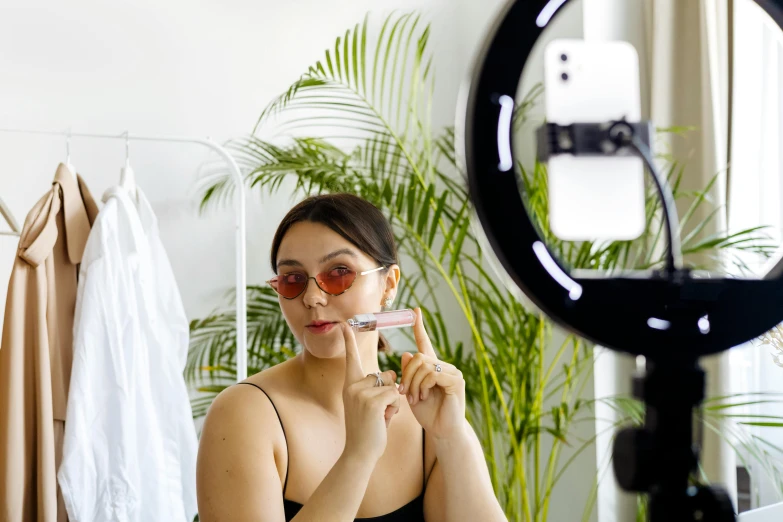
593	198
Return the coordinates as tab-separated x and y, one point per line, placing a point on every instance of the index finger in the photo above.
353	363
423	342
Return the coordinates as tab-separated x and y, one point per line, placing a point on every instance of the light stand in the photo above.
661	457
672	317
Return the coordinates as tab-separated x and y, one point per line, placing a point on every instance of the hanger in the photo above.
68	154
127	178
9	218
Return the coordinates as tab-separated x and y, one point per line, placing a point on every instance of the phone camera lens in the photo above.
564	76
564	57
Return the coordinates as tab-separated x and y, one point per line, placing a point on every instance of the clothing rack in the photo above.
9	218
241	226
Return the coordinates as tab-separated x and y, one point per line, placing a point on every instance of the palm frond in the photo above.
212	354
337	86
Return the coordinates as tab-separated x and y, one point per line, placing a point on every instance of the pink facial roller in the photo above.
383	320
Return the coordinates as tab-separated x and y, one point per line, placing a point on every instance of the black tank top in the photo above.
413	511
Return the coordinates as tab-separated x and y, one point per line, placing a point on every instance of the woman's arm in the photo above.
459	487
338	497
237	477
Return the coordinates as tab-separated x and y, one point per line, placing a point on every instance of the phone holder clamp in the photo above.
591	139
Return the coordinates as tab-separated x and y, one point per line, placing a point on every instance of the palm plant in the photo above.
366	110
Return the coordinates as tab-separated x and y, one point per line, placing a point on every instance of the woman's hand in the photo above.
437	399
368	409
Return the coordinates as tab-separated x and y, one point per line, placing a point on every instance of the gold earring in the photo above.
388	302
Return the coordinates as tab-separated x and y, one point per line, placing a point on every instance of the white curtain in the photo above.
755	199
683	53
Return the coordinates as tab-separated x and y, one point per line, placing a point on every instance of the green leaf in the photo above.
363	56
738	404
436	217
681	129
338	59
210	389
329	63
396	57
375	68
400	203
424	211
697	202
455	258
456	225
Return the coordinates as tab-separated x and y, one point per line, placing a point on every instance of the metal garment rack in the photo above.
9	218
241	225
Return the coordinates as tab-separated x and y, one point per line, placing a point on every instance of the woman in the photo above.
320	437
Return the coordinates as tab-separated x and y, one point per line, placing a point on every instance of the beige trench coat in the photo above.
36	353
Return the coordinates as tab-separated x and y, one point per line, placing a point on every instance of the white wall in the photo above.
202	68
193	68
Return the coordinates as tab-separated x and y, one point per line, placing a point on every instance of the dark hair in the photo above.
357	220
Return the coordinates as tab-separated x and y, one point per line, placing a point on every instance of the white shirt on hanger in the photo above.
130	443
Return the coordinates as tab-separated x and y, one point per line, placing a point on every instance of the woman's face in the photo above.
311	248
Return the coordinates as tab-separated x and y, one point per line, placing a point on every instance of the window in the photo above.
755	197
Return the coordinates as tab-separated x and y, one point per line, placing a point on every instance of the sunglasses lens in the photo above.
289	285
337	280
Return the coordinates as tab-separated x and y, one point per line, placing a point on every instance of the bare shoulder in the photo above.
247	404
238	473
229	411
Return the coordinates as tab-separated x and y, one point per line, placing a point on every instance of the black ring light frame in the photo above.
690	317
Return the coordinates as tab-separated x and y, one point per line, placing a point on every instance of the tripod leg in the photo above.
661	457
